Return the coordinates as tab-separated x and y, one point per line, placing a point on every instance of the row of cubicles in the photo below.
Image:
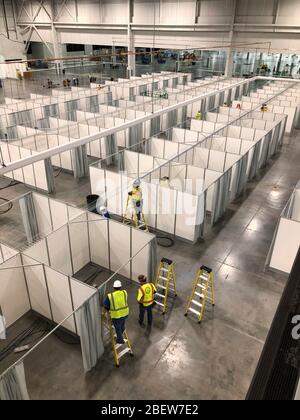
30	127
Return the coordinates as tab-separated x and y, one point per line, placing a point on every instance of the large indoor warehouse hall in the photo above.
149	202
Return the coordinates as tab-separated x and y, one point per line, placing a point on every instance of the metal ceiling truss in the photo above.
64	7
31	25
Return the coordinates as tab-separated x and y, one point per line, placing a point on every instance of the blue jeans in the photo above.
119	324
147	309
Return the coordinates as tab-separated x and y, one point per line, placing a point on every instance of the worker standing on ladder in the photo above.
117	304
137	198
145	298
198	116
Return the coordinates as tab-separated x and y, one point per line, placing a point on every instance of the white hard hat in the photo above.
117	284
102	208
137	182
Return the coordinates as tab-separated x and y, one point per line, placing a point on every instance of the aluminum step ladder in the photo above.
203	291
119	350
133	218
165	282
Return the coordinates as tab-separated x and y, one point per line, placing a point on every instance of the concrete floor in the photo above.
180	359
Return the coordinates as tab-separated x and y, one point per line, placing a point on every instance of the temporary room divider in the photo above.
286	240
38	278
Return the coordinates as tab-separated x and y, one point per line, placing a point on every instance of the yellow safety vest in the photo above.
199	116
146	294
136	194
118	304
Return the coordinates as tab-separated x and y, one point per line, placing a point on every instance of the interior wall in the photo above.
11	43
179	23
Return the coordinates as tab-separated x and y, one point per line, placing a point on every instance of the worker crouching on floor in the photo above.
117	304
145	298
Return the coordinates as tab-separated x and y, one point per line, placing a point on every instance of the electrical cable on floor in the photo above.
38	329
92	277
58	333
11	184
9	203
19	340
169	241
56	174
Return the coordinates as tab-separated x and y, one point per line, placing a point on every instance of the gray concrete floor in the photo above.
180	359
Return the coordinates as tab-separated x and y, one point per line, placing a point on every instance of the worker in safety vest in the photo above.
117	304
264	108
137	198
145	298
198	116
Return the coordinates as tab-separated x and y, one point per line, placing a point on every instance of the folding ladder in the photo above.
133	219
203	290
119	350
165	282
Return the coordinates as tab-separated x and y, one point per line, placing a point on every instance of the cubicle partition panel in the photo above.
85	237
39	278
166	209
286	240
38	175
13	288
6	252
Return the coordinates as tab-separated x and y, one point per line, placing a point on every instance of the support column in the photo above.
130	42
230	51
114	57
88	49
229	63
56	46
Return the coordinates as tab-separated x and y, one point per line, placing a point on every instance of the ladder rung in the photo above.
123	352
164	269
203	277
201	295
201	286
160	304
163	278
197	303
161	286
158	294
194	311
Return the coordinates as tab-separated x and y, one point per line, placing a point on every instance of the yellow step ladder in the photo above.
203	291
133	218
165	282
119	350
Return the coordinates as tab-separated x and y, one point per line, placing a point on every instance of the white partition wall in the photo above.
84	237
38	175
177	208
286	240
14	298
40	277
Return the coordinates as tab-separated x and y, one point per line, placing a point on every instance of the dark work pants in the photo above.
119	325
147	309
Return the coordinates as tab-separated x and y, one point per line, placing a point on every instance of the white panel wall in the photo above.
286	245
14	299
